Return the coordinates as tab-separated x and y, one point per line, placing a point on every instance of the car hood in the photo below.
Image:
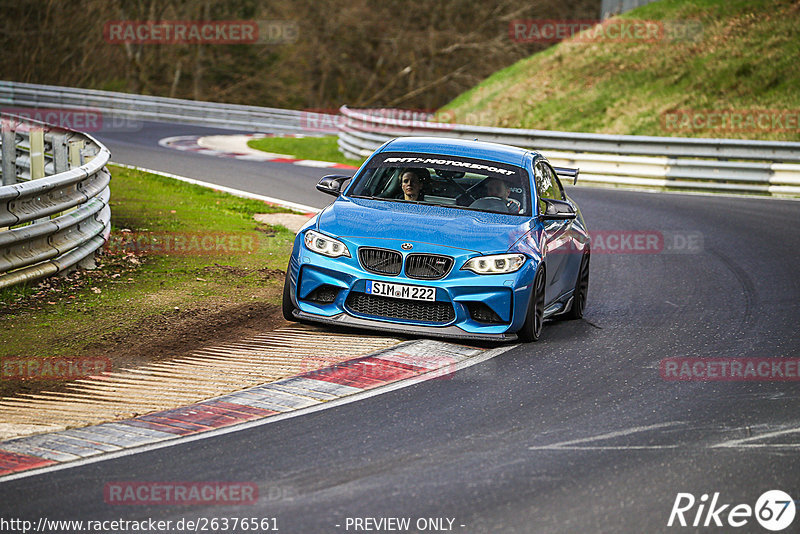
452	227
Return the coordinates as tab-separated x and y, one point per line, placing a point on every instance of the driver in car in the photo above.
498	188
412	181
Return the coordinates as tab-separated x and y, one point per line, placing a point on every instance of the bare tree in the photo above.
409	53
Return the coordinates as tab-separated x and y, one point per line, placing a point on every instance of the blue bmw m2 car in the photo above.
443	237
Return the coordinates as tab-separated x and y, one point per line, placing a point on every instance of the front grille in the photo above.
413	310
428	266
380	260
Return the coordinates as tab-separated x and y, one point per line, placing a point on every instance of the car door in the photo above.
558	234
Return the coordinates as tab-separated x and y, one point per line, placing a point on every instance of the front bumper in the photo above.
506	295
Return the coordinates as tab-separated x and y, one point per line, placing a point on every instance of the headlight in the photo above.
496	264
327	246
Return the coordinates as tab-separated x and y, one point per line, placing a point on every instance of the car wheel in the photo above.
581	289
532	328
287	305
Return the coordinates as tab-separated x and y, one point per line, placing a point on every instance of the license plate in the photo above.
401	291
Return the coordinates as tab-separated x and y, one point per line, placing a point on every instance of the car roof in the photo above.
459	147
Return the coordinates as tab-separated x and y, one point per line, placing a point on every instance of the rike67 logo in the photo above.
774	510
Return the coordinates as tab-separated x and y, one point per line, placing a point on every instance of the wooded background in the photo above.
415	54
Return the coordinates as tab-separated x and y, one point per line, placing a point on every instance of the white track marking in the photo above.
314	163
574	444
302	208
744	442
235	147
739	443
234	143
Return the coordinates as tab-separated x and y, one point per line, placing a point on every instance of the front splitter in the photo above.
447	332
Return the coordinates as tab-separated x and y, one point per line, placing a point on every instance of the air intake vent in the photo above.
483	313
324	294
414	310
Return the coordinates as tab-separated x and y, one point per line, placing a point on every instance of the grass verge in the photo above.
221	278
744	59
316	148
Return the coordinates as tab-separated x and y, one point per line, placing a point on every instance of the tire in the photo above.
287	305
581	289
532	327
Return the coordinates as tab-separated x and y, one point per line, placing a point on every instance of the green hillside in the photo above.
745	59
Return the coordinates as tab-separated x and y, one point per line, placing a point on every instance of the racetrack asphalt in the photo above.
278	180
578	432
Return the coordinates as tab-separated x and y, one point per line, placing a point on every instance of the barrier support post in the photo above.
60	156
9	153
74	149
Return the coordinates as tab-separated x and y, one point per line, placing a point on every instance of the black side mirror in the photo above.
332	184
557	210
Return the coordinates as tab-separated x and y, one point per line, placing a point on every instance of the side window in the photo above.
545	184
558	188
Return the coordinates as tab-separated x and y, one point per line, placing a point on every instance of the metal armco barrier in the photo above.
722	165
113	109
54	211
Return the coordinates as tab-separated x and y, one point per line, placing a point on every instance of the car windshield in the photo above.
441	180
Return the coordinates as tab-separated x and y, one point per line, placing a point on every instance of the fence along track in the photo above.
54	210
721	165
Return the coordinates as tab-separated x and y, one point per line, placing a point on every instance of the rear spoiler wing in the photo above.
566	172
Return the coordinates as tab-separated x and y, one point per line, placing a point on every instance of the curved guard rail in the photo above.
50	221
112	106
725	165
